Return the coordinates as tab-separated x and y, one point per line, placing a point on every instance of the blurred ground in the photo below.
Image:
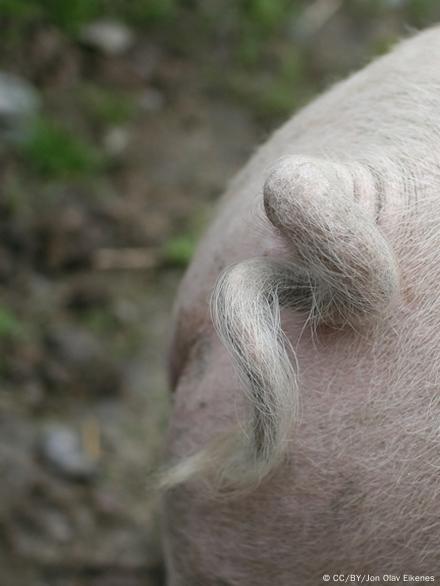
110	163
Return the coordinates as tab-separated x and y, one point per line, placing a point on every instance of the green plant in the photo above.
107	106
422	12
22	11
265	14
70	15
272	96
383	45
143	12
55	152
14	197
179	250
100	321
10	326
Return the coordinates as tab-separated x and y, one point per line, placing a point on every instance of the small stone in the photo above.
86	295
152	100
127	311
75	346
57	526
145	59
116	141
33	393
110	37
79	361
19	103
61	448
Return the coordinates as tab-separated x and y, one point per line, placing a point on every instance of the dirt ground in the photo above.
92	250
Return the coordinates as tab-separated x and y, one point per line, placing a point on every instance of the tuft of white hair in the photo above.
341	270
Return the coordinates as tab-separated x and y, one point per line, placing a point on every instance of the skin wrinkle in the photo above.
334	329
185	341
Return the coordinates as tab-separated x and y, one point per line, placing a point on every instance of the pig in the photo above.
305	363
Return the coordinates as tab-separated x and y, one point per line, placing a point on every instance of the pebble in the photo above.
19	104
107	36
116	141
152	100
74	345
61	448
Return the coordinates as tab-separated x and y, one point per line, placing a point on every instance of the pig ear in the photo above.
325	212
340	268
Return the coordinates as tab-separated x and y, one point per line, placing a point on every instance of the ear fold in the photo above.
324	210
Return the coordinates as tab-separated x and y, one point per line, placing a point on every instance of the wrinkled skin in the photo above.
360	489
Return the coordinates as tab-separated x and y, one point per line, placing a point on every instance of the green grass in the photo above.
422	12
70	15
10	326
254	19
107	107
272	97
15	198
144	12
20	11
179	250
55	152
100	321
265	16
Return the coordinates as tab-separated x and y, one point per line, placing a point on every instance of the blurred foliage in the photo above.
10	326
264	67
142	12
106	106
178	251
67	15
71	14
420	11
253	40
261	15
15	9
258	20
99	320
54	152
15	199
273	96
265	14
254	19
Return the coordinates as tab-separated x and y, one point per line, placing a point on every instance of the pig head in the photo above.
305	435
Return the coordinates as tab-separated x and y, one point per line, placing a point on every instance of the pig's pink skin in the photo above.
361	491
